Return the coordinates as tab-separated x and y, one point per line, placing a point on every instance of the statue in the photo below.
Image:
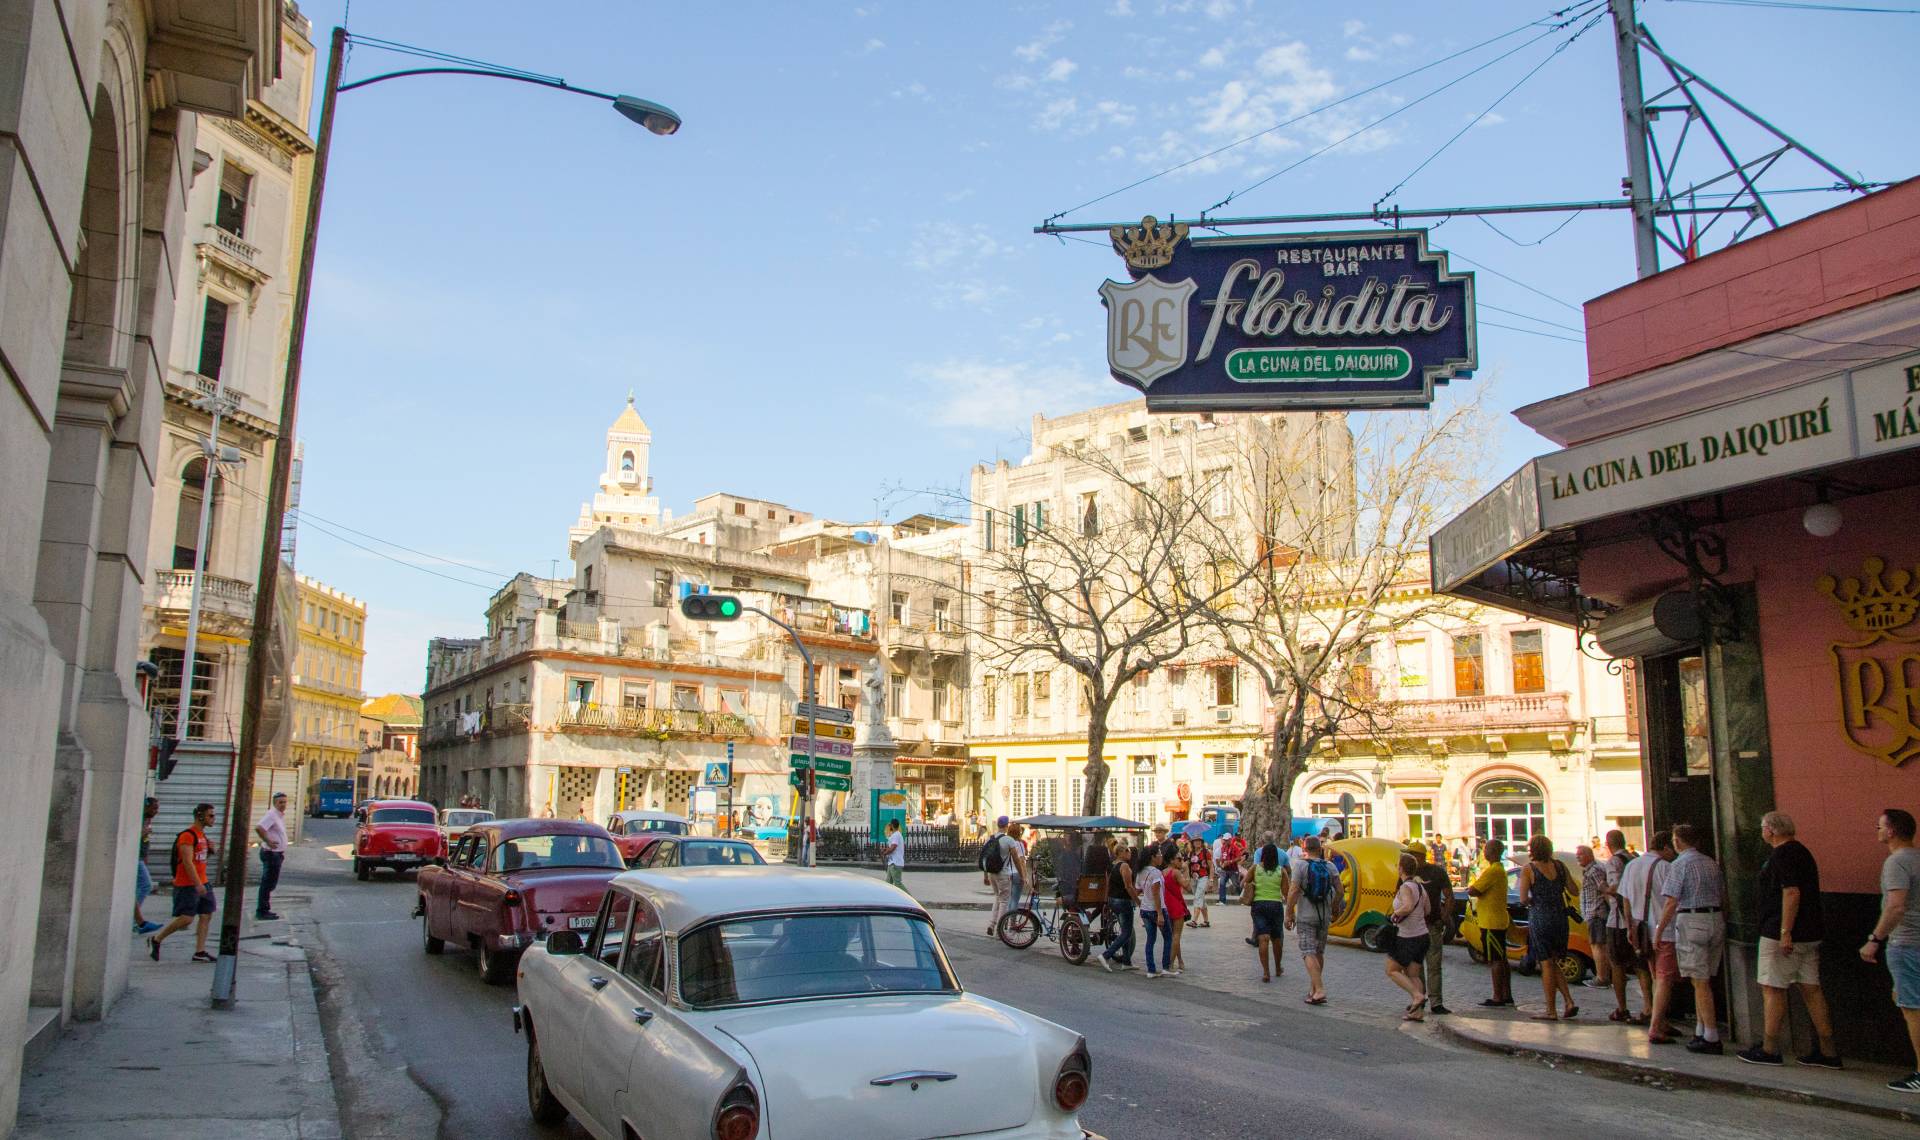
873	688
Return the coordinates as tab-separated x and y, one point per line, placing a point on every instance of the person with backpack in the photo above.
1312	903
1003	864
192	895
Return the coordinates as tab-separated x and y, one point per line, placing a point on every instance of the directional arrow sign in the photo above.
822	764
820	747
823	729
822	782
822	712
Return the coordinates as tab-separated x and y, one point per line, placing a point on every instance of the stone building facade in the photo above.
100	103
329	654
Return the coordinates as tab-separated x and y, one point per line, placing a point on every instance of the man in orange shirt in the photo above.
192	896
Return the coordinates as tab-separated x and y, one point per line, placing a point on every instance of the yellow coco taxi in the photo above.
1369	872
1576	964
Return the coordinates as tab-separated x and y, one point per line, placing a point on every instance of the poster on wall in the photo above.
1370	319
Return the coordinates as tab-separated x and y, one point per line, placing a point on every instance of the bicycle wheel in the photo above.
1019	928
1073	939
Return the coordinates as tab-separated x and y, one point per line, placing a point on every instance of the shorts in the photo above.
1904	963
1310	930
1408	951
1700	944
1799	967
1493	943
188	902
142	883
1269	919
1620	950
1666	964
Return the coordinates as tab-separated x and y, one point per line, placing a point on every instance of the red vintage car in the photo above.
634	830
510	883
401	834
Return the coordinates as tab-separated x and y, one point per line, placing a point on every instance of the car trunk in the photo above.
818	1059
558	896
421	839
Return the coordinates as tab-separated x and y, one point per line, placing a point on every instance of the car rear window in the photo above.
786	957
719	855
401	815
666	826
465	818
533	852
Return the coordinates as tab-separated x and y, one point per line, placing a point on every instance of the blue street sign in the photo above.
718	774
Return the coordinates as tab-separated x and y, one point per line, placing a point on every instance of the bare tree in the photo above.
1111	590
1325	550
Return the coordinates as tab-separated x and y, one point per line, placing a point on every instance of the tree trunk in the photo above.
1096	769
1268	806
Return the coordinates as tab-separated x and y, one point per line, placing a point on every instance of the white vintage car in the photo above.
729	1003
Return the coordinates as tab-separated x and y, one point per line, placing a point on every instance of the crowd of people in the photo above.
1656	919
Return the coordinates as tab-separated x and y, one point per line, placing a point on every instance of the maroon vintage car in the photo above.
512	882
401	834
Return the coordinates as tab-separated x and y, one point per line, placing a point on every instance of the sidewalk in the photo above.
1219	960
1601	1048
165	1062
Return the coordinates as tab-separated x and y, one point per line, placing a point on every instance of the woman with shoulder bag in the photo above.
1407	953
1543	885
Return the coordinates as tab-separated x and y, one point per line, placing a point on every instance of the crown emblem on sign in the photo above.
1874	604
1150	245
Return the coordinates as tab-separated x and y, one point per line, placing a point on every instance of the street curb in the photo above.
319	1109
953	905
1673	1078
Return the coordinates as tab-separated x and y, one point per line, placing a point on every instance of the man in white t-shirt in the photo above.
896	854
1007	879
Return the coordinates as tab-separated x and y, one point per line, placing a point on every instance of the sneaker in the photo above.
1154	975
1174	973
1909	1083
147	927
153	948
1495	1003
269	916
1439	1009
1106	963
1819	1060
1759	1056
202	956
1702	1045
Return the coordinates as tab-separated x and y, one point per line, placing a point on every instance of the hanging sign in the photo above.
1286	321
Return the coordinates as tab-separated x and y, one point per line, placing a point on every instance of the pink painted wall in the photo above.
1832	790
1837	259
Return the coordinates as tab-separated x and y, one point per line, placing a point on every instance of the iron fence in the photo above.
926	847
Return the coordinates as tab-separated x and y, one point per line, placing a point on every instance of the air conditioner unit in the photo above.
1179	716
1223	715
1660	625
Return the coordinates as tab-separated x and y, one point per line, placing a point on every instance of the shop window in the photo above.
1469	666
1510	810
1032	795
1529	664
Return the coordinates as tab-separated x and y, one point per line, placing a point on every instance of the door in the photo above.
473	894
583	977
624	1012
1679	741
439	900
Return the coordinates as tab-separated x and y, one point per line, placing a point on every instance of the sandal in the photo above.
1636	1019
1619	1015
1321	1000
1546	1017
1573	1011
1414	1017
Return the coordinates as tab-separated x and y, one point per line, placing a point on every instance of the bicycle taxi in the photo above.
1078	918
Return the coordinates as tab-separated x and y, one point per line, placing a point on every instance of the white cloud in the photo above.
1359	54
1060	69
1036	49
1056	114
871	46
1353	28
1121	8
912	91
938	246
1114	113
998	395
1214	57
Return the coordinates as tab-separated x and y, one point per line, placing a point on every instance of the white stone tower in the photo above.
626	494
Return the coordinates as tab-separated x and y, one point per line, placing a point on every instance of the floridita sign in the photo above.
1314	321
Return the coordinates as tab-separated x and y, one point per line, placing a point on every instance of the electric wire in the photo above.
1531	317
1304	115
1562	46
1532	332
1553	30
447	57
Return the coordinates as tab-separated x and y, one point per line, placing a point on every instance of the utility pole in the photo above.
215	406
1633	117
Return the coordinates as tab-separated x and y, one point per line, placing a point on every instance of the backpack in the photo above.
1318	883
992	855
174	855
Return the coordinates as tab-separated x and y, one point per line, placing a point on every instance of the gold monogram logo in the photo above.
1879	677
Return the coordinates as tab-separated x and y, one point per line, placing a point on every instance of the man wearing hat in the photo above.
1439	893
1163	842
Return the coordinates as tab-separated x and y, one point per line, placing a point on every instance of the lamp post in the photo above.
653	116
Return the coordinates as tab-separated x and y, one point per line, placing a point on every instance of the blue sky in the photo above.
826	287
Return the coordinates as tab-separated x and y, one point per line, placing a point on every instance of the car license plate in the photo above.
581	922
406	858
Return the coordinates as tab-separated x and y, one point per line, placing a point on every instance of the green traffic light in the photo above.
729	608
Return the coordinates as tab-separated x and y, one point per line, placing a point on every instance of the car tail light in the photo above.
738	1117
511	898
1074	1080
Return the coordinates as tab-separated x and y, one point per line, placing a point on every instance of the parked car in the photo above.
402	834
453	821
768	965
687	851
1578	961
633	829
510	883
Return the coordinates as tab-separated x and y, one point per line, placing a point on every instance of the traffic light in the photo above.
710	607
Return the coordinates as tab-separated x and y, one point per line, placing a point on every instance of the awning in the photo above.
1517	546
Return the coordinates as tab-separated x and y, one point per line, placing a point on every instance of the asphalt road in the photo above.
1170	1058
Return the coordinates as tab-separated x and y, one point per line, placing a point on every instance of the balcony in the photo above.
946	641
499	720
1475	714
233	253
220	598
1616	729
659	724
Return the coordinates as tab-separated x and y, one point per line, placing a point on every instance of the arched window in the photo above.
186	525
626	463
1325	804
1510	810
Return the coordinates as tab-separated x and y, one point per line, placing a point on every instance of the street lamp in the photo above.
653	116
